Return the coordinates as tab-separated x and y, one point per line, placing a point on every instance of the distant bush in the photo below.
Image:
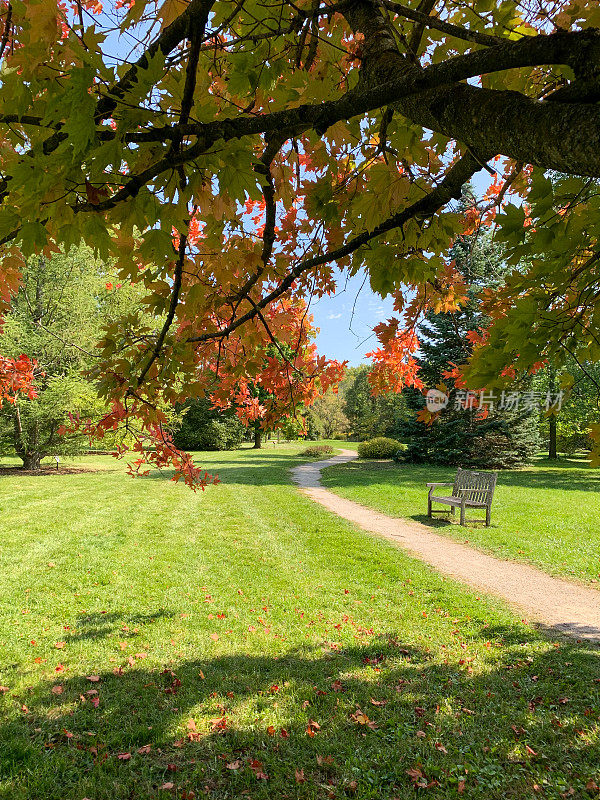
317	450
380	447
401	453
204	428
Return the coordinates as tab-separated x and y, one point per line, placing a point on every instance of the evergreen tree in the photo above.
462	436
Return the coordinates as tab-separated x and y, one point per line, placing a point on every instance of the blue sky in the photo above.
346	320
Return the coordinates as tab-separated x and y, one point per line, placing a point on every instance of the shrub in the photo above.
204	428
380	447
317	450
401	453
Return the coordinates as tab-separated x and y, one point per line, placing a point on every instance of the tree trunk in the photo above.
257	437
26	446
552	454
31	461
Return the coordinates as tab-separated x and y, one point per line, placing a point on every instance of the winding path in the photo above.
568	607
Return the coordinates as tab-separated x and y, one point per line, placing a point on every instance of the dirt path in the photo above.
572	609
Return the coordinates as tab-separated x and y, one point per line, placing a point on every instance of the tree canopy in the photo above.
230	154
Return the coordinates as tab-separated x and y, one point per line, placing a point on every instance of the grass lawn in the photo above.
547	515
243	643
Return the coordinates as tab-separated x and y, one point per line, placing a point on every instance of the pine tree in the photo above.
460	436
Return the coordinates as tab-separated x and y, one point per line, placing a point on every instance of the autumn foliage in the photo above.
237	158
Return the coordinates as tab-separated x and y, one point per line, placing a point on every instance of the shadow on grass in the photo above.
528	717
254	468
97	625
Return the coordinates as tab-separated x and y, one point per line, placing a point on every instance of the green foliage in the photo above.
30	428
205	428
579	383
327	414
401	453
368	415
464	436
57	319
317	450
380	447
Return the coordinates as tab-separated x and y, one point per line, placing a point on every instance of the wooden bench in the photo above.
469	490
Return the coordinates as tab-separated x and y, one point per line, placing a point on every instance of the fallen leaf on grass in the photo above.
145	749
124	756
58	689
234	764
60	645
325	761
257	768
361	718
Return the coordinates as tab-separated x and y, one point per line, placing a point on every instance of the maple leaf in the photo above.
325	761
257	768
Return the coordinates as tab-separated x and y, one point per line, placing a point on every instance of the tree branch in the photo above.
424	20
427	206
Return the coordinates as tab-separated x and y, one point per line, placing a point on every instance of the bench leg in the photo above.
462	515
429	514
488	516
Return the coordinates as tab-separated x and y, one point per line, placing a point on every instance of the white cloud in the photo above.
334	316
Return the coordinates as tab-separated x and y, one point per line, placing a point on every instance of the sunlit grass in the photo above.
547	514
240	642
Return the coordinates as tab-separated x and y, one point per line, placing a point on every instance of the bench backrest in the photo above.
483	483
